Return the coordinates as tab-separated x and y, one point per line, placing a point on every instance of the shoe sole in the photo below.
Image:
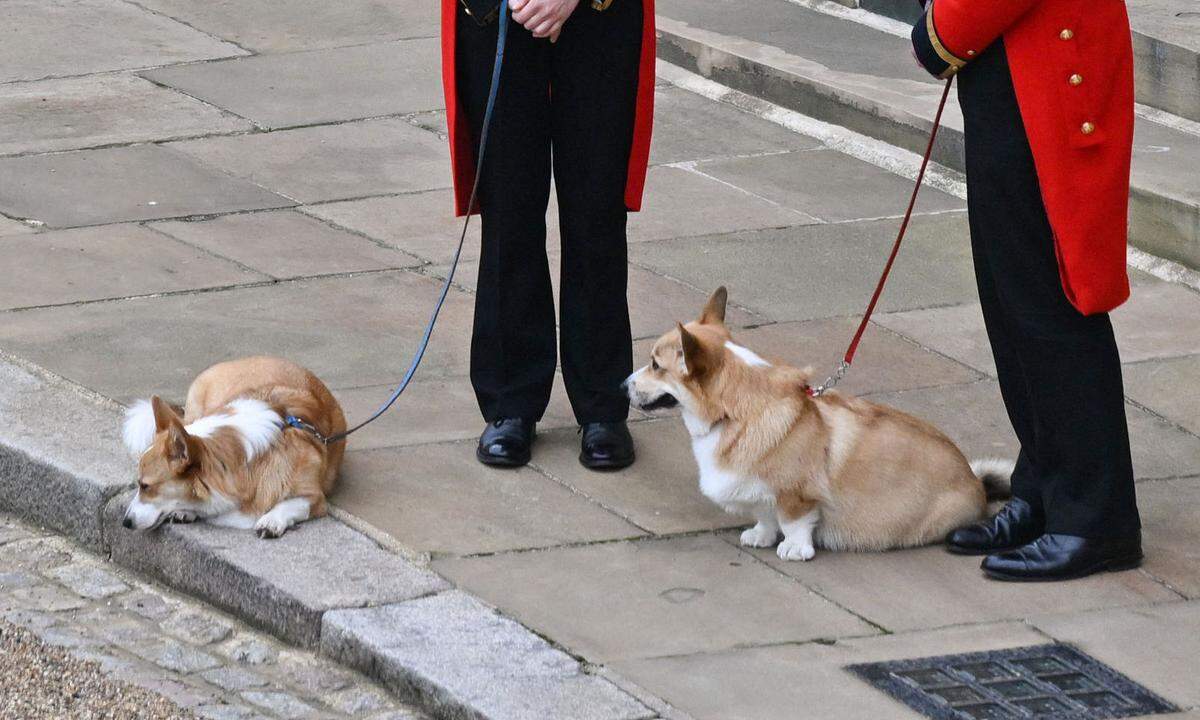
959	550
1116	565
493	461
605	464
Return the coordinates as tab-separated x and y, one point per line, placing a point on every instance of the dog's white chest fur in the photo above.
732	491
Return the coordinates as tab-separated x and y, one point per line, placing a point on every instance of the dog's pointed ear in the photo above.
714	310
181	447
163	413
695	357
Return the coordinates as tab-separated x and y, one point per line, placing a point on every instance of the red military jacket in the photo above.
462	149
1072	68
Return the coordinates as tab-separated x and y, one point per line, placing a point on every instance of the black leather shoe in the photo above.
1015	525
1063	557
506	442
606	446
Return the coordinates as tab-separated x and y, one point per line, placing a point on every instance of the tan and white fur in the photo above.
227	457
832	471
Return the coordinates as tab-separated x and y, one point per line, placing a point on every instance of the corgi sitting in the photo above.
832	471
228	457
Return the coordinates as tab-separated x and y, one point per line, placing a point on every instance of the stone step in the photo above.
1166	46
861	76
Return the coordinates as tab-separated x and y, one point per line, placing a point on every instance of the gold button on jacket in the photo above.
1087	128
1075	79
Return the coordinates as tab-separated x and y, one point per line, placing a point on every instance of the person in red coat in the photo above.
575	99
1046	89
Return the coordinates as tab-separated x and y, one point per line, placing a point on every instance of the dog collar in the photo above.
293	421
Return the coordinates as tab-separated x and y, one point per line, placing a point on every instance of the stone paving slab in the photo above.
318	86
699	205
656	303
331	162
817	271
1171	532
688	127
1160	450
350	331
76	37
422	224
1155	646
659	492
142	182
773	682
304	24
886	361
466	661
624	600
788	180
69	266
101	110
432	410
1162	385
286	244
930	588
68	470
438	498
796	57
1147	327
12	227
283	585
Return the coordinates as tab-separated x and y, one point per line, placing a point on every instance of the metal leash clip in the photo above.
293	421
832	381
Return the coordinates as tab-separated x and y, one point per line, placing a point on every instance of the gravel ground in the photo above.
41	681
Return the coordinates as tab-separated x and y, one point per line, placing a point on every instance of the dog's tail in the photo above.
996	476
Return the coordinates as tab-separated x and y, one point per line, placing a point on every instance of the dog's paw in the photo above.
759	536
791	549
183	516
271	526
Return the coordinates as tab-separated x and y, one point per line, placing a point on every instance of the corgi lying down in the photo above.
227	457
835	471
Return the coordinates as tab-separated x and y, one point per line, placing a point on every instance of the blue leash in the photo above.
292	420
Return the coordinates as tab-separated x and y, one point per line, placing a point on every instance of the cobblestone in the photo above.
233	678
88	581
48	598
195	657
284	705
197	628
174	655
357	701
226	712
249	651
147	604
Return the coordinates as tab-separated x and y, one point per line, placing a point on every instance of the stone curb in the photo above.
323	585
458	657
60	458
1162	221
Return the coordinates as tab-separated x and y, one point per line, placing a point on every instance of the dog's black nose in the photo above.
127	523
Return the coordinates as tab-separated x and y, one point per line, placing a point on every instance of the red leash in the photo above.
887	269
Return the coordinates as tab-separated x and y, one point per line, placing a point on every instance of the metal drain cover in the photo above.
1047	682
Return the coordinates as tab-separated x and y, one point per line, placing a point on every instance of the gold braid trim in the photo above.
956	63
599	5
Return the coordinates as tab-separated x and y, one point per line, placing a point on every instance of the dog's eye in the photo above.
143	486
654	365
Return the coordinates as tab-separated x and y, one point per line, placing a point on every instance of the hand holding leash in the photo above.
544	18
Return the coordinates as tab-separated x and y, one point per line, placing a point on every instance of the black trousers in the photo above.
1059	371
567	105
